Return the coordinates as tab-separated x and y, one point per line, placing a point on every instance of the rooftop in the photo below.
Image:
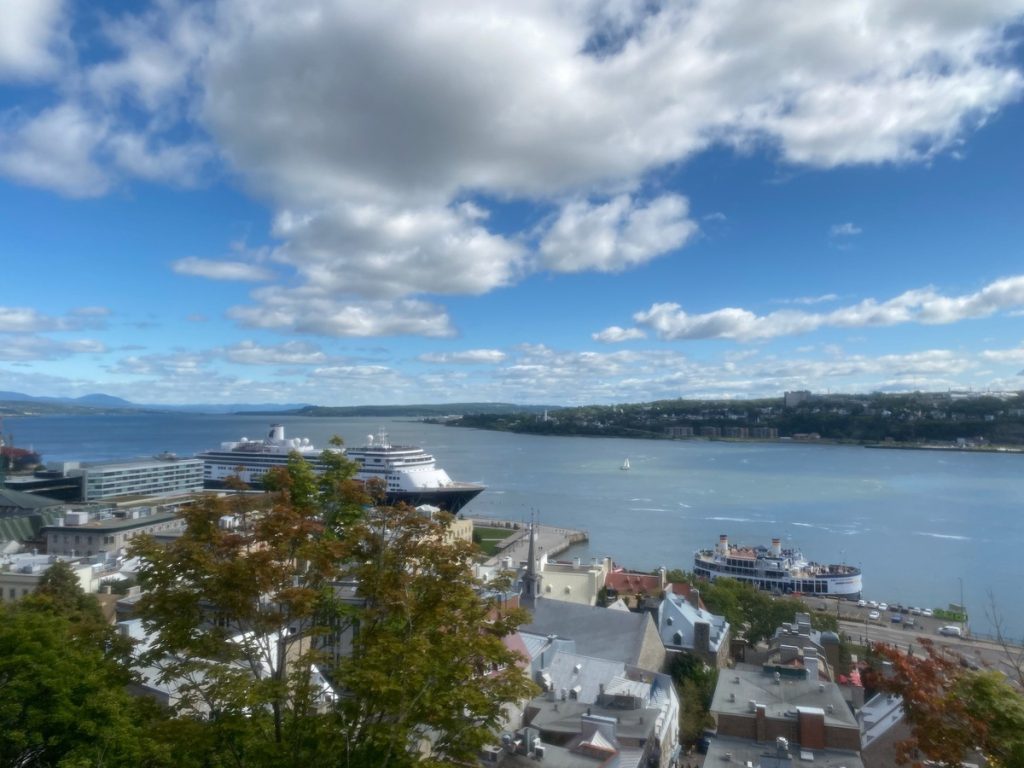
780	697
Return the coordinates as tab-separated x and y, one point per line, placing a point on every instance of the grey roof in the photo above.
563	717
765	755
597	631
19	500
738	687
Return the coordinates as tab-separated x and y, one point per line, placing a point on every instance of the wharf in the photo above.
551	539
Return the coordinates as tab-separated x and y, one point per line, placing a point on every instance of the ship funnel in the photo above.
723	544
276	432
777	547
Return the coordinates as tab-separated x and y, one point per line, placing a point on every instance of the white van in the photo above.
950	631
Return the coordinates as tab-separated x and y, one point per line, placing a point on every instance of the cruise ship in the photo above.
407	473
774	569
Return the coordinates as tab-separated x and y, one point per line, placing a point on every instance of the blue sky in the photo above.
584	202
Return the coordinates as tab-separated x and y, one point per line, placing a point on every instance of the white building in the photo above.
155	477
684	626
20	574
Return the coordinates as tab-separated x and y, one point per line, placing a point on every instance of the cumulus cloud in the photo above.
26	347
314	313
847	229
466	356
367	137
615	235
221	270
289	353
614	334
926	306
30	38
28	320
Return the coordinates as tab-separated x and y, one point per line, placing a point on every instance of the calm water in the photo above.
917	522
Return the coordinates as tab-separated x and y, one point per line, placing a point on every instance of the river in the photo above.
924	526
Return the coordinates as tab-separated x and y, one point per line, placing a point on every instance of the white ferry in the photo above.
774	569
409	474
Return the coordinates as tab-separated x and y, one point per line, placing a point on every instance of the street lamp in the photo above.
963	608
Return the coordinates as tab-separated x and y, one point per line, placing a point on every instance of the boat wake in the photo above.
943	536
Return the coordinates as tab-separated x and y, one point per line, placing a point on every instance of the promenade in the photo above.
551	539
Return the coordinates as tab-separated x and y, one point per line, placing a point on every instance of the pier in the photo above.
551	539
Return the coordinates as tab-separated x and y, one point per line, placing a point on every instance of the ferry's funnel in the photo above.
276	433
723	544
777	547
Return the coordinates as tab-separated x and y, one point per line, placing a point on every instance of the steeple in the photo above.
531	579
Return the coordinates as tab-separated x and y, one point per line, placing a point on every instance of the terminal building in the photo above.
73	481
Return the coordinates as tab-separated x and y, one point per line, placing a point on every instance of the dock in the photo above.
551	539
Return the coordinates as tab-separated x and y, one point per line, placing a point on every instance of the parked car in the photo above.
874	615
873	603
915	610
950	631
862	603
909	623
883	606
896	618
926	611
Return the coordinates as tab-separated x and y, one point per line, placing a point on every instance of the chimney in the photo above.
693	598
811	664
761	723
812	727
701	637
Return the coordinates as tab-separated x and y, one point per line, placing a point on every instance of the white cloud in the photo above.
368	137
289	353
55	149
314	313
924	306
30	36
221	270
466	356
25	347
614	334
28	320
847	229
615	235
808	300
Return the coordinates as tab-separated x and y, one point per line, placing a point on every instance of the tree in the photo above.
953	710
429	674
236	611
250	613
63	700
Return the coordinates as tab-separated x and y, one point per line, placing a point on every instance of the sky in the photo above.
589	201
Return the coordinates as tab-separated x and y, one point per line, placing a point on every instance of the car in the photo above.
950	631
896	618
883	606
915	610
862	603
874	615
926	611
873	603
909	623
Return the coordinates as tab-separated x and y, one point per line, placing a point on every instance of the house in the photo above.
753	705
630	638
21	573
685	626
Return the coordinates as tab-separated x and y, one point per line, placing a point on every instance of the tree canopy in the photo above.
321	625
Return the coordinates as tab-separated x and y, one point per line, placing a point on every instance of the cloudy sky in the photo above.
589	201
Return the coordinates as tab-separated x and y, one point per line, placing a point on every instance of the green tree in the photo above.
243	617
429	674
63	700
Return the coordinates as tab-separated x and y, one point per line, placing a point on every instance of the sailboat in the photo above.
625	464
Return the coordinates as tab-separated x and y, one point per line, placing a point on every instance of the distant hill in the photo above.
430	410
14	403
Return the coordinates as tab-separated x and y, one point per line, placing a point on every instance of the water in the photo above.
923	525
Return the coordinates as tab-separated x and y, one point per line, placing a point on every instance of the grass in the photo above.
488	539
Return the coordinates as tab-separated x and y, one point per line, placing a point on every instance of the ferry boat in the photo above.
774	569
409	474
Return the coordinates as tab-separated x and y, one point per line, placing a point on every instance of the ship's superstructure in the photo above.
778	570
407	473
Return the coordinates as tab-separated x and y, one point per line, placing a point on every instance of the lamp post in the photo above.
963	608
